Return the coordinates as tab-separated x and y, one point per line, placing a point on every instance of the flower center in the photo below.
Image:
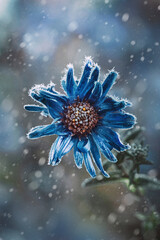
80	117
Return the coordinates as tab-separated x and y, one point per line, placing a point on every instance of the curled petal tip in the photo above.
88	61
127	147
107	175
93	175
128	104
30	136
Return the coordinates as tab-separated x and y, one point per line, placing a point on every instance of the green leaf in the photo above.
140	216
127	166
146	181
149	220
99	180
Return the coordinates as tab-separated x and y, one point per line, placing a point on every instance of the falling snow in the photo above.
125	17
37	40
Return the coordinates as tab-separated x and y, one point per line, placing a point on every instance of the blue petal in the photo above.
89	164
94	76
35	96
70	83
90	85
51	87
41	131
108	82
96	93
55	109
97	157
60	147
63	84
84	78
66	146
62	99
110	104
36	108
34	92
61	129
112	137
119	120
84	145
103	144
78	157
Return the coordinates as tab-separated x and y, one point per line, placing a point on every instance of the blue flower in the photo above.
83	118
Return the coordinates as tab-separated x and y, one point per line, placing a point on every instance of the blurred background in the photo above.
38	38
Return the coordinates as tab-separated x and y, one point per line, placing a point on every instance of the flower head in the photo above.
83	118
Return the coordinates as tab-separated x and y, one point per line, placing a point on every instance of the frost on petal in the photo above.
111	104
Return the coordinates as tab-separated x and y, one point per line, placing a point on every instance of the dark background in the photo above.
38	38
